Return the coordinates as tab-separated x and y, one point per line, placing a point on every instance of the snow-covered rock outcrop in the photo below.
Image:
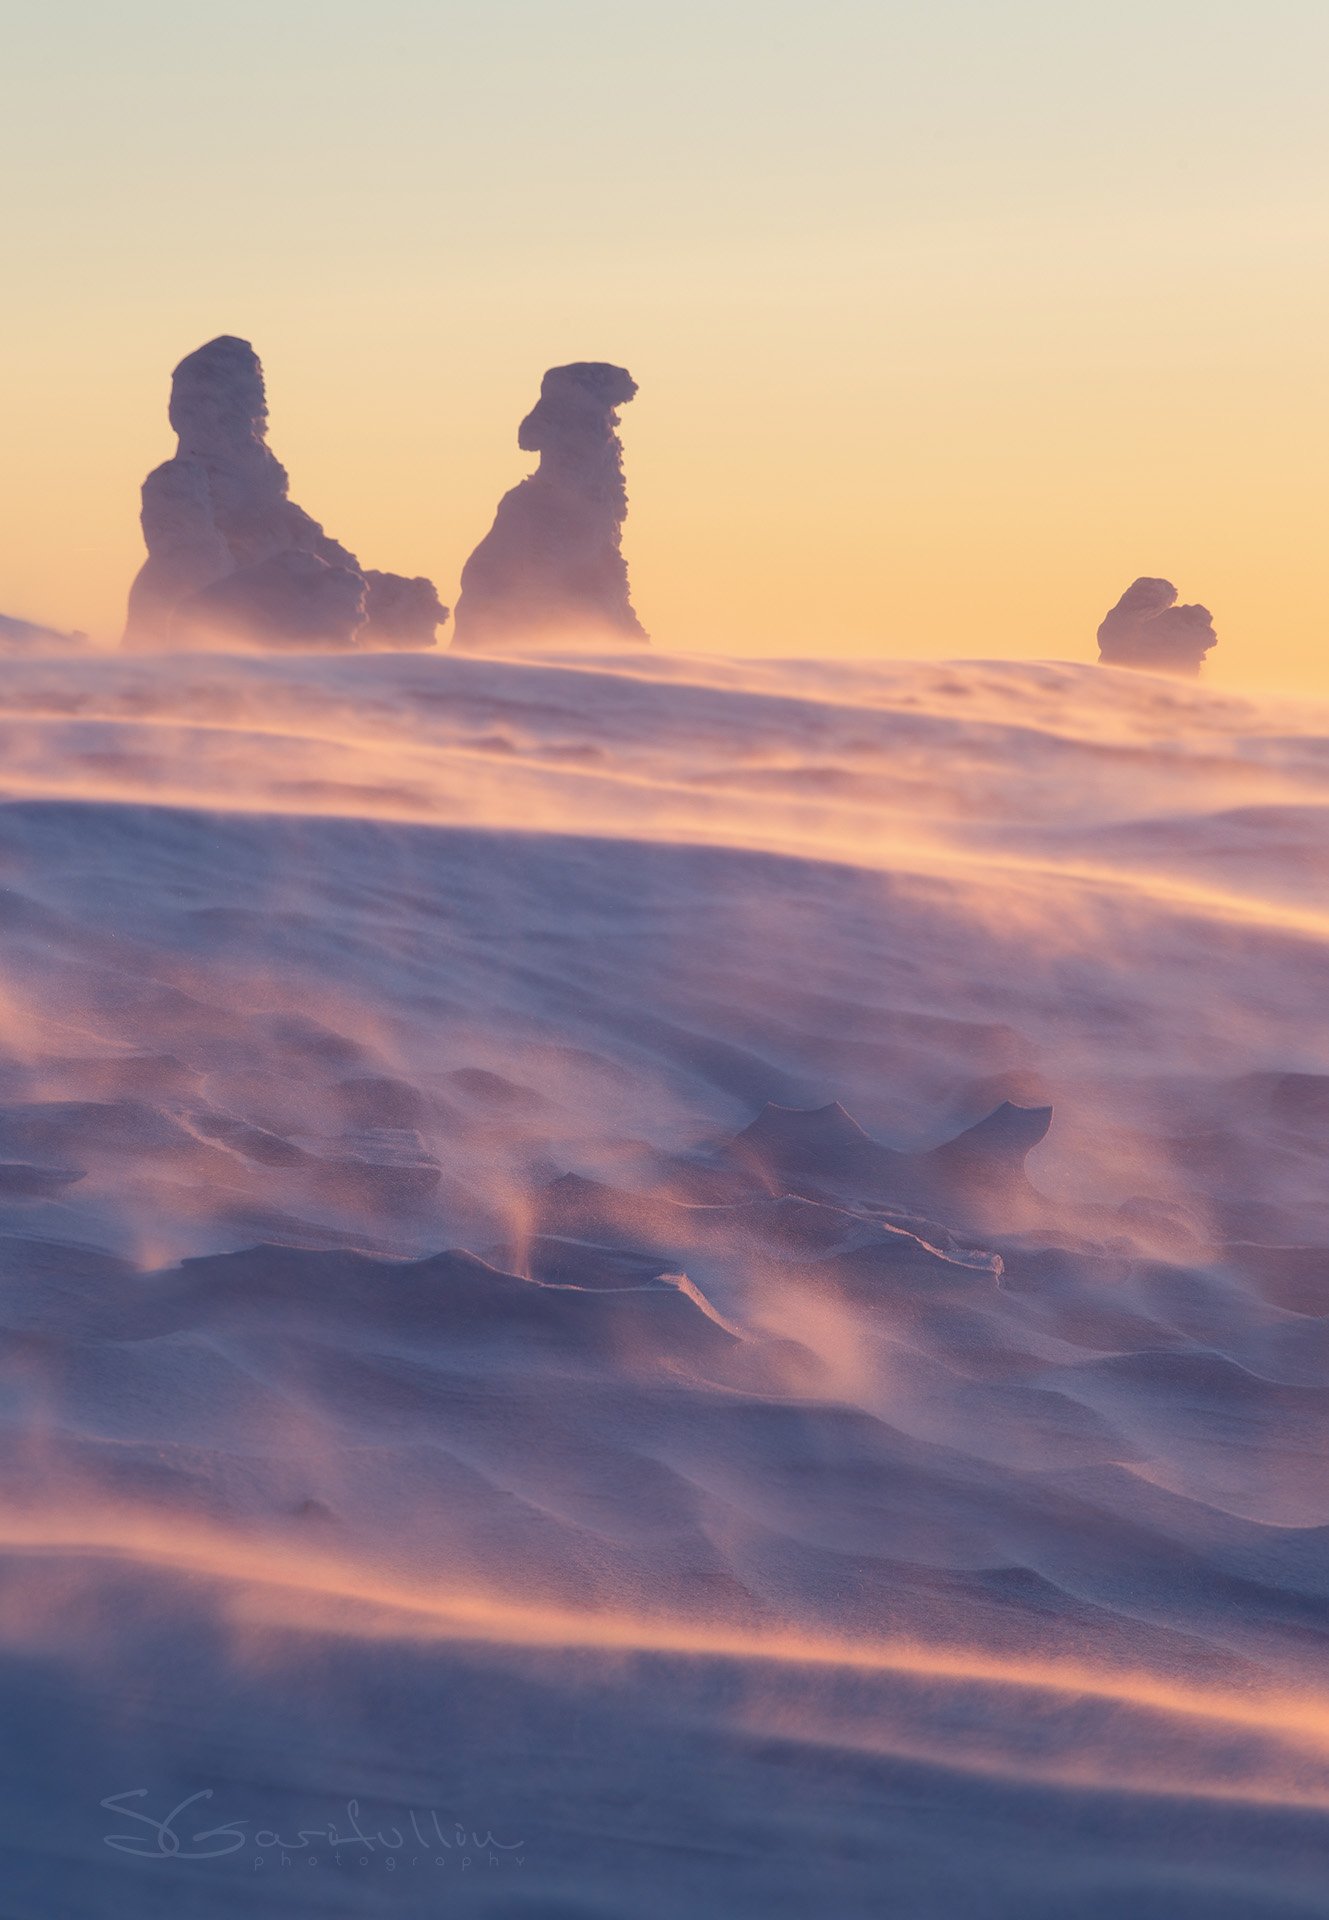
551	569
230	555
1148	629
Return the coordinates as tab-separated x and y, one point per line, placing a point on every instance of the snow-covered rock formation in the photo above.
551	569
230	553
1147	629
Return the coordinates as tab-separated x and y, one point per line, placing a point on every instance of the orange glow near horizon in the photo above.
946	327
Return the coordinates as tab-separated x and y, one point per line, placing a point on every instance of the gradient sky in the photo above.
950	317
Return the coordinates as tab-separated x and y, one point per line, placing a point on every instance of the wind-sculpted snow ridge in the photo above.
231	558
31	634
702	1285
551	571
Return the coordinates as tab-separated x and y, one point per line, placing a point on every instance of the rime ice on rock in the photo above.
229	552
1147	629
401	612
551	568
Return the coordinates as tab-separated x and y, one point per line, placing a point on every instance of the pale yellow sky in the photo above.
949	319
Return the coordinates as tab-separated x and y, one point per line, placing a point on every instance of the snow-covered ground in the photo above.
546	1329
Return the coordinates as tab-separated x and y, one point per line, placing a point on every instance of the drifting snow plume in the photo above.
228	550
552	565
1147	629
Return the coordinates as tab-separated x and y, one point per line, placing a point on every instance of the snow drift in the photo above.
661	1286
